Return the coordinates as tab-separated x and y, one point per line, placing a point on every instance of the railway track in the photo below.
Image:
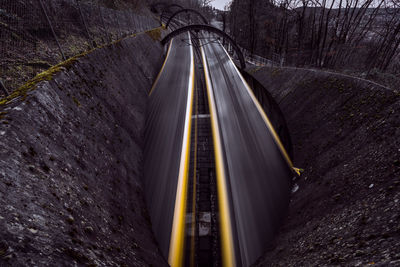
202	241
217	178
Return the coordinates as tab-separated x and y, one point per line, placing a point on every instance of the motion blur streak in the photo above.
167	142
228	254
176	246
257	172
162	68
264	116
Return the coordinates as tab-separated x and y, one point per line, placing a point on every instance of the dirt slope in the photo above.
346	136
71	162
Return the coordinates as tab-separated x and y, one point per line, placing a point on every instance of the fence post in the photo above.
125	17
3	87
84	24
132	22
107	32
52	29
119	26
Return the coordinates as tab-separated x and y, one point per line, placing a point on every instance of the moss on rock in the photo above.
47	75
43	76
155	34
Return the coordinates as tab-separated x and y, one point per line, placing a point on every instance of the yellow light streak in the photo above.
228	255
162	68
263	115
177	241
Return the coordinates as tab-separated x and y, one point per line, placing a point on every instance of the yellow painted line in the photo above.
162	68
177	241
263	115
192	241
228	254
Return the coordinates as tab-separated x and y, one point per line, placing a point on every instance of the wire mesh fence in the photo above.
256	60
36	34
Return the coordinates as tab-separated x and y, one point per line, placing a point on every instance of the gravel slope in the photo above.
71	163
346	136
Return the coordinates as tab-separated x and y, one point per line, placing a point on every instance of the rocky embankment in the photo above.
346	137
71	161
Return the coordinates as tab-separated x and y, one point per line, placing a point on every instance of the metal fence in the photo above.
36	34
260	61
256	60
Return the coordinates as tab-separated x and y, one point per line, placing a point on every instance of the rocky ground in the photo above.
346	137
71	162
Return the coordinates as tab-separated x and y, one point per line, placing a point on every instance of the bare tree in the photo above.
322	33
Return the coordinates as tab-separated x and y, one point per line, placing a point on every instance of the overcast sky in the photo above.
220	4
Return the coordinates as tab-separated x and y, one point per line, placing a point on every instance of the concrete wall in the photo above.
346	135
71	162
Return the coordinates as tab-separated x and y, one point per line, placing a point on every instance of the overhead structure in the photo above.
211	29
167	9
186	10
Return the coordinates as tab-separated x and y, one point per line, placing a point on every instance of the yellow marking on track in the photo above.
162	68
263	115
228	254
177	241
